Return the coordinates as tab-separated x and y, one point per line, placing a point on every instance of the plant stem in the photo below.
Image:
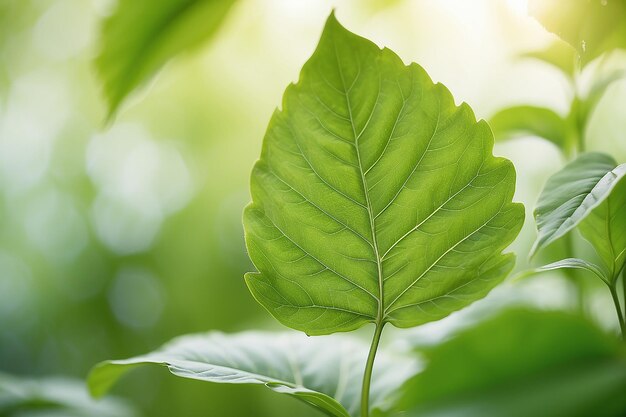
624	290
570	274
618	309
369	366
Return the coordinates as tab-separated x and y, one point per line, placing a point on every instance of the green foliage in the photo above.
319	371
530	120
519	364
574	263
142	35
605	226
558	54
571	194
592	27
589	193
376	198
51	396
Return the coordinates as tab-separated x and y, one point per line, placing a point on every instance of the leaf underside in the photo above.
320	371
376	198
605	227
572	193
54	396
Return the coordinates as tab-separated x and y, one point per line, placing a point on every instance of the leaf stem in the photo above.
624	290
369	367
618	309
570	275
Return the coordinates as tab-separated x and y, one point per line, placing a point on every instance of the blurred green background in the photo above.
117	237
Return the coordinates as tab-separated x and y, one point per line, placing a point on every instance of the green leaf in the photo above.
376	198
142	35
522	363
592	27
601	83
323	372
54	396
605	226
559	54
529	120
575	263
572	193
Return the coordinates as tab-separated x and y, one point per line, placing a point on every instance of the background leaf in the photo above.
605	227
519	364
574	263
591	26
324	372
54	396
142	35
376	198
571	194
529	120
559	54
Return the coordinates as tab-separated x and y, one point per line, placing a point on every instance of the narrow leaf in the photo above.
571	194
530	121
522	363
323	372
376	198
575	263
592	27
142	35
605	228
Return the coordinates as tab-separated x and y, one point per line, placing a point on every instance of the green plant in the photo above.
376	200
588	194
587	30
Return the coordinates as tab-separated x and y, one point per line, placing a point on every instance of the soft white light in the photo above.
140	182
136	298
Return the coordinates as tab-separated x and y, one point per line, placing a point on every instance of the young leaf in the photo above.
605	228
559	54
575	263
54	396
601	83
519	364
572	193
142	35
529	120
376	198
321	372
592	27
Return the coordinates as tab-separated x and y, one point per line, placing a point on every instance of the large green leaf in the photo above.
142	35
605	228
591	26
530	120
376	198
522	363
324	372
572	193
54	396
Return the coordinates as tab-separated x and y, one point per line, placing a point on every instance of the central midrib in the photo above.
379	320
